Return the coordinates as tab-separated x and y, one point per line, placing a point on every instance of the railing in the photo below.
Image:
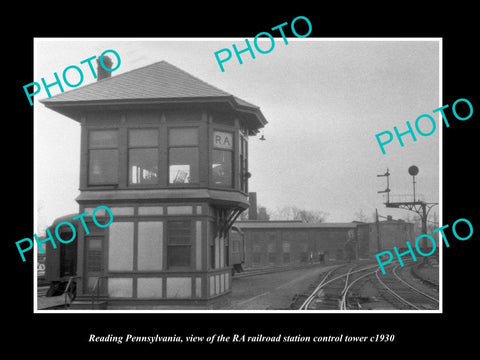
398	198
96	289
69	290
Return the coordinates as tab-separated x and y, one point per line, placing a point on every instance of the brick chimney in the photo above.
101	72
252	210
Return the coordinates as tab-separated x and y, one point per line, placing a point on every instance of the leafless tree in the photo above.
294	213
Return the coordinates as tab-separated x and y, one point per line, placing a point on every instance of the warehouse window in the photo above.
143	156
286	252
183	155
271	253
256	253
304	256
179	238
103	157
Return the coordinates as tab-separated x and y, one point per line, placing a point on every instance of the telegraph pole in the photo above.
377	224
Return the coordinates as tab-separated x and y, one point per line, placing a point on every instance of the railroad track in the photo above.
334	284
274	269
335	290
408	296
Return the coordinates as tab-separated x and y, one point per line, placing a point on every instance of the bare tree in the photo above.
360	216
263	213
294	213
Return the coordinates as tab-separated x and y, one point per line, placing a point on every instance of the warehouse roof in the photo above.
160	82
292	225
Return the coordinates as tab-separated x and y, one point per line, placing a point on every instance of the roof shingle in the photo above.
160	80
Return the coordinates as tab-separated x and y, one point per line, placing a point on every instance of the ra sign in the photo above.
222	140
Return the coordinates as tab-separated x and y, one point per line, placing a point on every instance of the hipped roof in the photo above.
158	83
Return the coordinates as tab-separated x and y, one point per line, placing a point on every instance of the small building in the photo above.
373	237
168	154
281	243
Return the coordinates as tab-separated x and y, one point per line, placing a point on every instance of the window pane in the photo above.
120	287
179	240
103	167
120	246
183	167
143	138
150	245
178	256
103	138
143	166
183	136
95	261
94	254
243	164
95	244
222	168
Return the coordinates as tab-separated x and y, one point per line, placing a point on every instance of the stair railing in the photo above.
96	290
69	290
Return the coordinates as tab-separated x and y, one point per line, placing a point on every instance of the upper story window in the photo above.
103	157
243	164
142	156
160	155
183	161
222	159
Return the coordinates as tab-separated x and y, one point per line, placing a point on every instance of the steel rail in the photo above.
324	283
413	287
343	302
309	299
394	293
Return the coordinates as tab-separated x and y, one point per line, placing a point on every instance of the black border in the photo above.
414	333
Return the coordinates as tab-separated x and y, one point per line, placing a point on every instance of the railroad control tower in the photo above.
168	154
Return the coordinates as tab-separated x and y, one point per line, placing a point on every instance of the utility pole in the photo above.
377	224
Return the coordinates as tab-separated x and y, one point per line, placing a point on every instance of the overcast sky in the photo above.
324	100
